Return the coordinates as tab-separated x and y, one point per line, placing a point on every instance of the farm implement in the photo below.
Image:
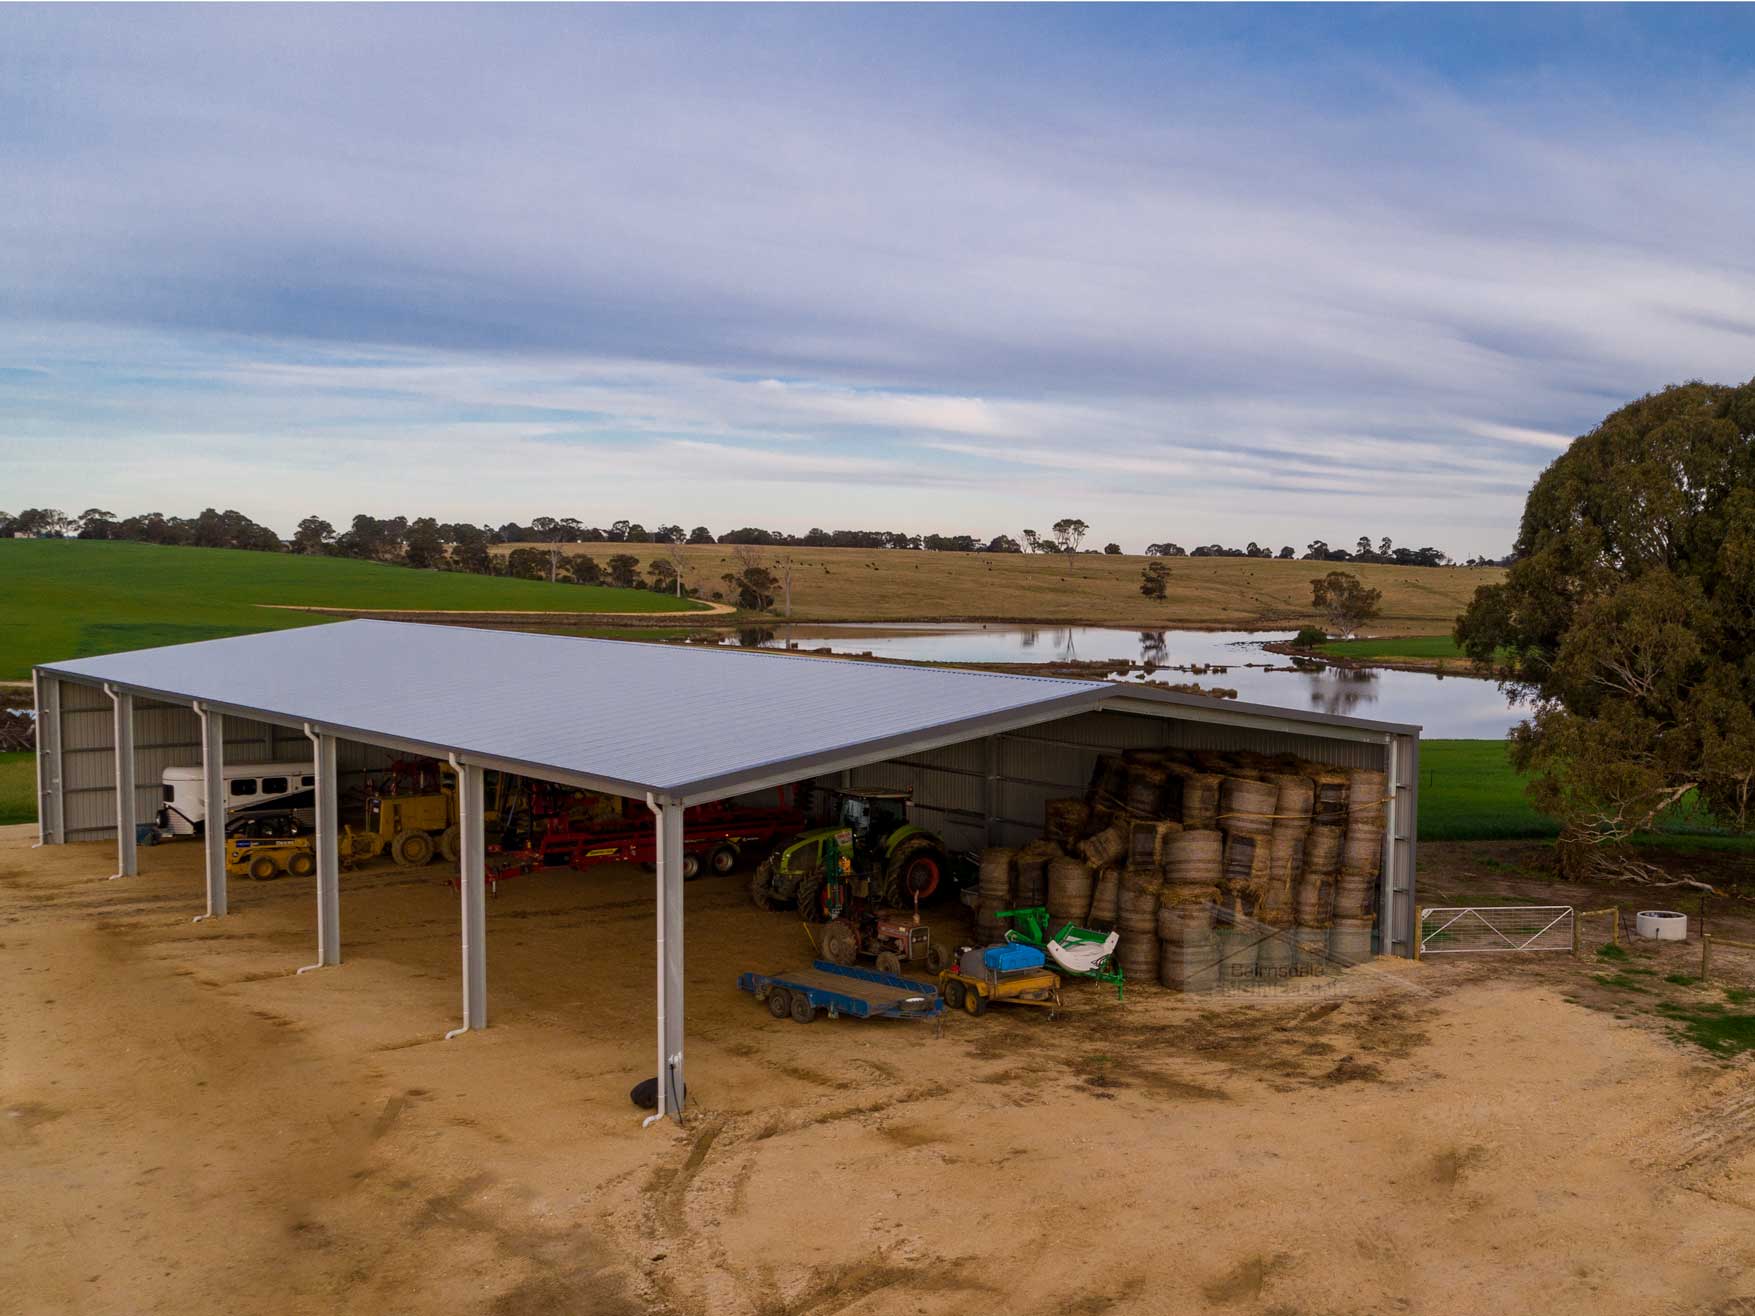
841	989
1074	950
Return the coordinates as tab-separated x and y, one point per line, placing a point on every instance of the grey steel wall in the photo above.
165	735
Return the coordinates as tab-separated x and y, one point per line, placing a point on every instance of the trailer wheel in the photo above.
448	847
802	1009
412	848
889	962
302	864
975	1003
723	860
264	869
691	867
954	993
779	1002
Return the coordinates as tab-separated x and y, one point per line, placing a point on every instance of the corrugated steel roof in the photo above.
650	717
675	720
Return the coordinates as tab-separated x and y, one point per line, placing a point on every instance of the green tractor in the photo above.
871	846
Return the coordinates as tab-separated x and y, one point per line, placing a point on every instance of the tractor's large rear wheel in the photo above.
915	871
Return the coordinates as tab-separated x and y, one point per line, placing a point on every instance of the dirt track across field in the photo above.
187	1127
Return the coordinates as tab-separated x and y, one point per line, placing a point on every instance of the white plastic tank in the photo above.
1661	925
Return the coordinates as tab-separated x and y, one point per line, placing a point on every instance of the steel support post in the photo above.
668	820
127	849
213	807
472	883
1386	903
51	797
328	853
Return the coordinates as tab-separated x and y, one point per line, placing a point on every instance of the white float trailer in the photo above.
277	788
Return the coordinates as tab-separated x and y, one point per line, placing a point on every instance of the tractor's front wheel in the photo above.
810	898
761	892
412	848
889	962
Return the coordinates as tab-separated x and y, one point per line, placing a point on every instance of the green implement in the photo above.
1075	950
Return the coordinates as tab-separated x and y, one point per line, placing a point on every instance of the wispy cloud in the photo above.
1165	270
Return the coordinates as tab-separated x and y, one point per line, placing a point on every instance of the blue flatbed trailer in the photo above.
842	989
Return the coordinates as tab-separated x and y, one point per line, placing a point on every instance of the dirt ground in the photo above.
187	1127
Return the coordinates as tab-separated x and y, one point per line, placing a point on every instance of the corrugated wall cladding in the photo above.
165	735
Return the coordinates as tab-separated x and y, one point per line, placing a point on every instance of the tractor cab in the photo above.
870	814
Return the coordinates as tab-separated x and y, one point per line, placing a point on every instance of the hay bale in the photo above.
1105	899
1069	891
1330	808
1146	842
1144	796
1285	865
998	874
1136	901
1189	967
1136	955
1064	821
1246	808
1247	870
1294	799
1185	914
1349	941
1200	800
1276	956
1194	858
1031	882
1367	798
1355	897
1106	847
1108	781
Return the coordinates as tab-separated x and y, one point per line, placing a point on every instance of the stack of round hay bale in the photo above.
1293	806
1069	891
1031	886
1361	866
1246	818
1200	800
1189	953
997	884
1065	821
1315	894
1143	796
1105	900
1136	919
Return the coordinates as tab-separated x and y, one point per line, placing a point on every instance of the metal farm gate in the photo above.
1480	929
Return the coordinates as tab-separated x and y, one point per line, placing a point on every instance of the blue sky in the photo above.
1201	274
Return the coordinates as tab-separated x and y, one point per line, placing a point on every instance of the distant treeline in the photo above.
428	543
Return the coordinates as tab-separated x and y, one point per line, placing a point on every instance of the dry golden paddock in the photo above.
849	584
187	1127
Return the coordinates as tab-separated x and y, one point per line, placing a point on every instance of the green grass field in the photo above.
18	787
71	599
1396	647
1470	792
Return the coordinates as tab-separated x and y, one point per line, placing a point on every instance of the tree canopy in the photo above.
1627	618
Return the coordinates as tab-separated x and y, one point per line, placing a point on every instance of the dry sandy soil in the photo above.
186	1127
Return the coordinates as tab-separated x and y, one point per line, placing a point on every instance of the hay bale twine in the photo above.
1200	800
1294	799
1367	798
1063	821
1106	847
1189	967
1246	808
1330	807
1105	899
1349	940
1069	890
1194	858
